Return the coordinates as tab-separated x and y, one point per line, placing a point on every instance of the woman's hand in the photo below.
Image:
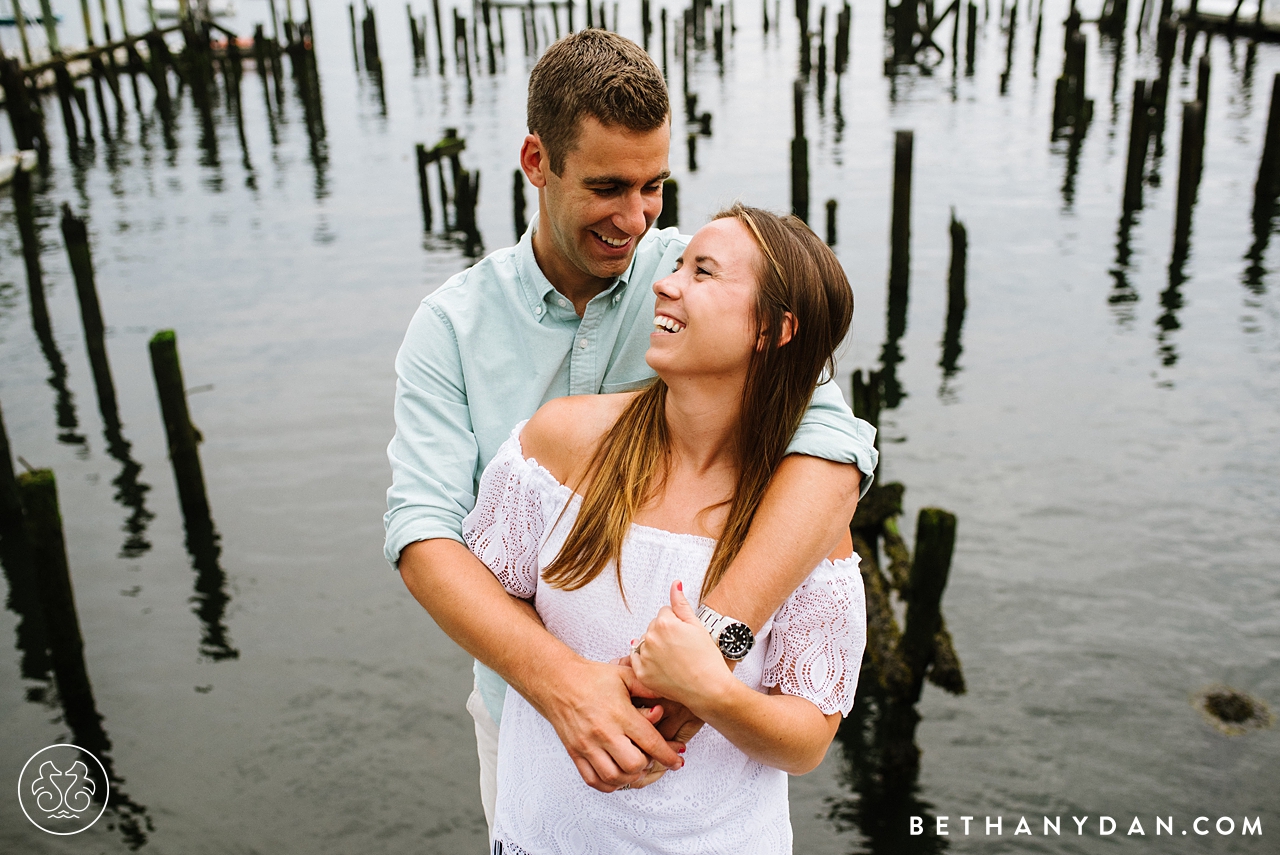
677	659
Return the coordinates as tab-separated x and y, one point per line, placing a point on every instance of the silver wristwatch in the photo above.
734	638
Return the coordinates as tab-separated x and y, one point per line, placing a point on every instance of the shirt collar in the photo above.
535	285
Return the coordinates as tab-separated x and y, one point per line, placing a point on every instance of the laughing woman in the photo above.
616	512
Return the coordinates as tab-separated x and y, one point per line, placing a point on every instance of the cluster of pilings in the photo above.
460	192
899	658
813	67
208	51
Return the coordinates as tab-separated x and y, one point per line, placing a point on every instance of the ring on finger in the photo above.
635	648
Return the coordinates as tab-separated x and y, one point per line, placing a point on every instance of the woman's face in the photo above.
704	316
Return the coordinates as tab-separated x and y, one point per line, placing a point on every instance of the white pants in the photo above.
487	748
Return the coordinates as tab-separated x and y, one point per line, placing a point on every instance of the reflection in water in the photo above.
956	305
1123	296
210	597
1167	323
1073	143
64	402
882	811
891	354
49	639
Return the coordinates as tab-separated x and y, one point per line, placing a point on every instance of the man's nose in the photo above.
630	217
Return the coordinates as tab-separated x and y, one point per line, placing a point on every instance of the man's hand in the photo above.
612	742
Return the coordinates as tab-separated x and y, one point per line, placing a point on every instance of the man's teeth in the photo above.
662	322
613	242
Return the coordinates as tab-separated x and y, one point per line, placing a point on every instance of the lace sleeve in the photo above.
815	650
505	528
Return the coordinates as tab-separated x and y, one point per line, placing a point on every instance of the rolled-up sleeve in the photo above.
434	454
831	431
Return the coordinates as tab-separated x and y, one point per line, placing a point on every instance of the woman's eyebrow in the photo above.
702	259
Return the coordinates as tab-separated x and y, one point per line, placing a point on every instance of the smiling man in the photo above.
568	311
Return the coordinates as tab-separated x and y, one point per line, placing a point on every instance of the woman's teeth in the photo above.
662	322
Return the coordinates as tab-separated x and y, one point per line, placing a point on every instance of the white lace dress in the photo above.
721	801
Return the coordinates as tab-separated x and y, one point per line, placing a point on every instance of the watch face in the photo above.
736	640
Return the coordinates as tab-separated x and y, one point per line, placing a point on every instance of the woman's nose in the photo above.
668	287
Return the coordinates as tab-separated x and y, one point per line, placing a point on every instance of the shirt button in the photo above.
617	297
562	302
582	345
538	310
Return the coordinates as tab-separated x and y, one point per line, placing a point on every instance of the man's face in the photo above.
606	196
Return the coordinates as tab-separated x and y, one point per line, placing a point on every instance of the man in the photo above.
568	311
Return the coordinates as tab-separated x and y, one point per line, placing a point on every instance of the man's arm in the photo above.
588	703
434	457
804	513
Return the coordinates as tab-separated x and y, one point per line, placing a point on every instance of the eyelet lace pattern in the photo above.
721	801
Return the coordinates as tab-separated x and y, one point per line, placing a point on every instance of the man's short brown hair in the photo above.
593	73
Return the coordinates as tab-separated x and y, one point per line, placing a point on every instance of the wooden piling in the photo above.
488	37
1267	186
24	212
10	497
1190	159
865	399
423	185
831	222
670	214
76	236
43	526
900	229
24	120
935	542
970	39
1139	137
691	148
355	49
517	203
844	24
435	11
372	57
182	434
799	158
956	301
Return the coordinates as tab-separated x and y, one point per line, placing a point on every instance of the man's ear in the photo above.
534	161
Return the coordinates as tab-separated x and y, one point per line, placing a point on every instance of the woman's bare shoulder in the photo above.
564	432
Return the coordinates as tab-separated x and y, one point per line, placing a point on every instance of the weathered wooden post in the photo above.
1190	159
24	212
844	24
435	10
799	157
423	186
956	298
831	222
670	215
10	497
182	434
970	39
1267	186
517	203
24	121
488	37
43	525
355	50
1008	57
1139	137
900	233
372	57
76	236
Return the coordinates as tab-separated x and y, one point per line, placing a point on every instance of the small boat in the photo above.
168	9
10	163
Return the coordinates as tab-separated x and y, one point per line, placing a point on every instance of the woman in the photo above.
659	487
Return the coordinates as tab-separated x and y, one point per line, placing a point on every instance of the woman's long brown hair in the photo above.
796	273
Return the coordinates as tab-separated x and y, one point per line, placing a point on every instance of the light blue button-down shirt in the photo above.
497	341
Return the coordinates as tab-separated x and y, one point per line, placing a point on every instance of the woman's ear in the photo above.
789	328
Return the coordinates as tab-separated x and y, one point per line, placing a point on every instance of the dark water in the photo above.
1108	441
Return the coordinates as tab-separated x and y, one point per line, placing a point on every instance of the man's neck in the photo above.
577	287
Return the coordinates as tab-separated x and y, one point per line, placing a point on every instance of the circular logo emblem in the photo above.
63	789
